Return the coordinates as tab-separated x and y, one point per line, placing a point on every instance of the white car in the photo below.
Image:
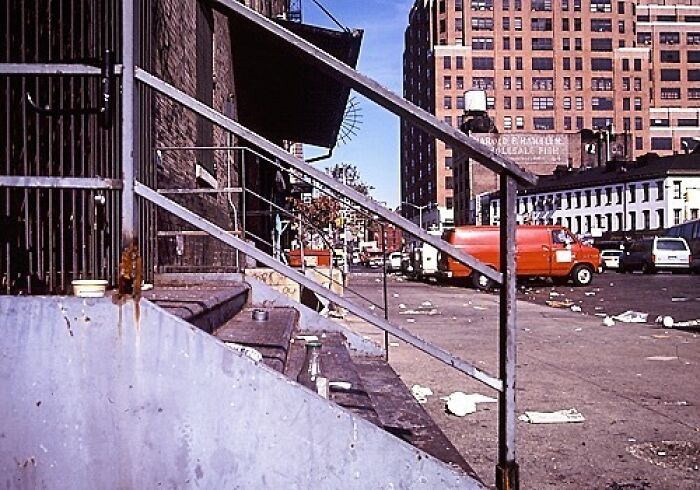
610	259
394	263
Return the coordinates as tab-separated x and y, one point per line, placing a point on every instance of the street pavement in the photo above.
637	385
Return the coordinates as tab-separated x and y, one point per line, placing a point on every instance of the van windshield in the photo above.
670	245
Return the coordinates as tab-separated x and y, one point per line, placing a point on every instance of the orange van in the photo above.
541	251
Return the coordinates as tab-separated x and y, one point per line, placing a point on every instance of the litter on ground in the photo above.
679	300
480	308
661	358
420	311
608	321
560	304
575	308
410	320
631	316
461	404
421	393
559	417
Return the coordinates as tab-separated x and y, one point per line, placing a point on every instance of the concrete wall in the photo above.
96	395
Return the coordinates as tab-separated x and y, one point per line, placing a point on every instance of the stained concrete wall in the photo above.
96	395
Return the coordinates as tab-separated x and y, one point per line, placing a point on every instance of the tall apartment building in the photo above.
549	67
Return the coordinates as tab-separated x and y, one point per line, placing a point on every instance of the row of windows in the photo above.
598	84
670	38
602	6
544	123
669	18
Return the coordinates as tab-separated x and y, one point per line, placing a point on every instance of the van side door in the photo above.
562	254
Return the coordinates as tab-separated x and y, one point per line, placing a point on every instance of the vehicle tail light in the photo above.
653	258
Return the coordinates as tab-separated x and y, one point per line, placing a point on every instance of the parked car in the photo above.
541	251
373	258
610	258
394	262
658	253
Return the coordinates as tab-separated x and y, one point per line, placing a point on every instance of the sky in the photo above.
375	148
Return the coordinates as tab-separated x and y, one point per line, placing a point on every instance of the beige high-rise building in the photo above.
550	68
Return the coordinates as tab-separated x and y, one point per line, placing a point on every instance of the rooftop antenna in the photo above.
352	118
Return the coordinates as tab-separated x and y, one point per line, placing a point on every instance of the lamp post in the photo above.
420	210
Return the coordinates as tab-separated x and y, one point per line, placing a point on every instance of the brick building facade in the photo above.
547	67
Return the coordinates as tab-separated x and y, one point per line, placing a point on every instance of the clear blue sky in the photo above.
375	149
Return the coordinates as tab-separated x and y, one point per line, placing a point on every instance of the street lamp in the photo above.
420	210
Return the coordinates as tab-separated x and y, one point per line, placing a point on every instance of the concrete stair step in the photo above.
402	415
207	306
336	365
271	337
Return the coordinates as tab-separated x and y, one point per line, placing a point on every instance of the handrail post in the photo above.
130	131
507	473
386	300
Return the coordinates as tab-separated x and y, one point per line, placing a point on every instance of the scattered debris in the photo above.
683	455
410	320
393	344
421	310
575	308
249	352
560	304
679	300
608	321
689	323
371	307
554	294
426	303
590	293
395	295
461	404
666	321
480	308
339	385
421	393
631	316
579	329
661	358
559	417
402	306
660	336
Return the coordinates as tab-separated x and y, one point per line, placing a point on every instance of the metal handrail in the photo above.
235	242
278	152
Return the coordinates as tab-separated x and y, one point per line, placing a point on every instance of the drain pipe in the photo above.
319	158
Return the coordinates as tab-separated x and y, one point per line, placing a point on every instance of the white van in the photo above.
658	253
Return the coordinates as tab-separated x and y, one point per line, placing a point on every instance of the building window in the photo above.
506	62
566	63
542	103
567	103
518	43
447	102
626	124
661	143
543	123
638	143
579	64
637	103
518	23
618	193
645	192
601	103
448	120
659	218
519	103
459	62
506	23
518	62
567	123
601	84
579	103
660	190
677	191
632	221
541	24
447	62
506	102
460	102
542	44
646	220
482	24
633	193
447	83
670	93
518	83
567	83
578	83
676	216
626	104
601	25
601	64
542	64
482	43
519	122
565	44
588	198
482	63
601	45
543	83
506	83
483	83
669	57
601	6
507	122
579	123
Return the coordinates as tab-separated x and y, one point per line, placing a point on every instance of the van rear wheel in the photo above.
480	281
582	275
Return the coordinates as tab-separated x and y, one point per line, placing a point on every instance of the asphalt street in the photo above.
637	385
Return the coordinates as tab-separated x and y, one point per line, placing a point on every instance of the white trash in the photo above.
559	417
421	393
608	321
461	404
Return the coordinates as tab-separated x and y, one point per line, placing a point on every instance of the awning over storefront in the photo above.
283	98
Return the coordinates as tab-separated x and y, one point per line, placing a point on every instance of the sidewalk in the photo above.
566	360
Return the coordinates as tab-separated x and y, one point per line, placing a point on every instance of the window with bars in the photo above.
670	93
602	83
601	6
669	37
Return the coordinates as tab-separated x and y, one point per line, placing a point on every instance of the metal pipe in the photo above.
129	157
376	208
33	181
507	477
49	69
222	235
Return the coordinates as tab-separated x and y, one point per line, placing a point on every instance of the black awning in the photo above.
282	97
